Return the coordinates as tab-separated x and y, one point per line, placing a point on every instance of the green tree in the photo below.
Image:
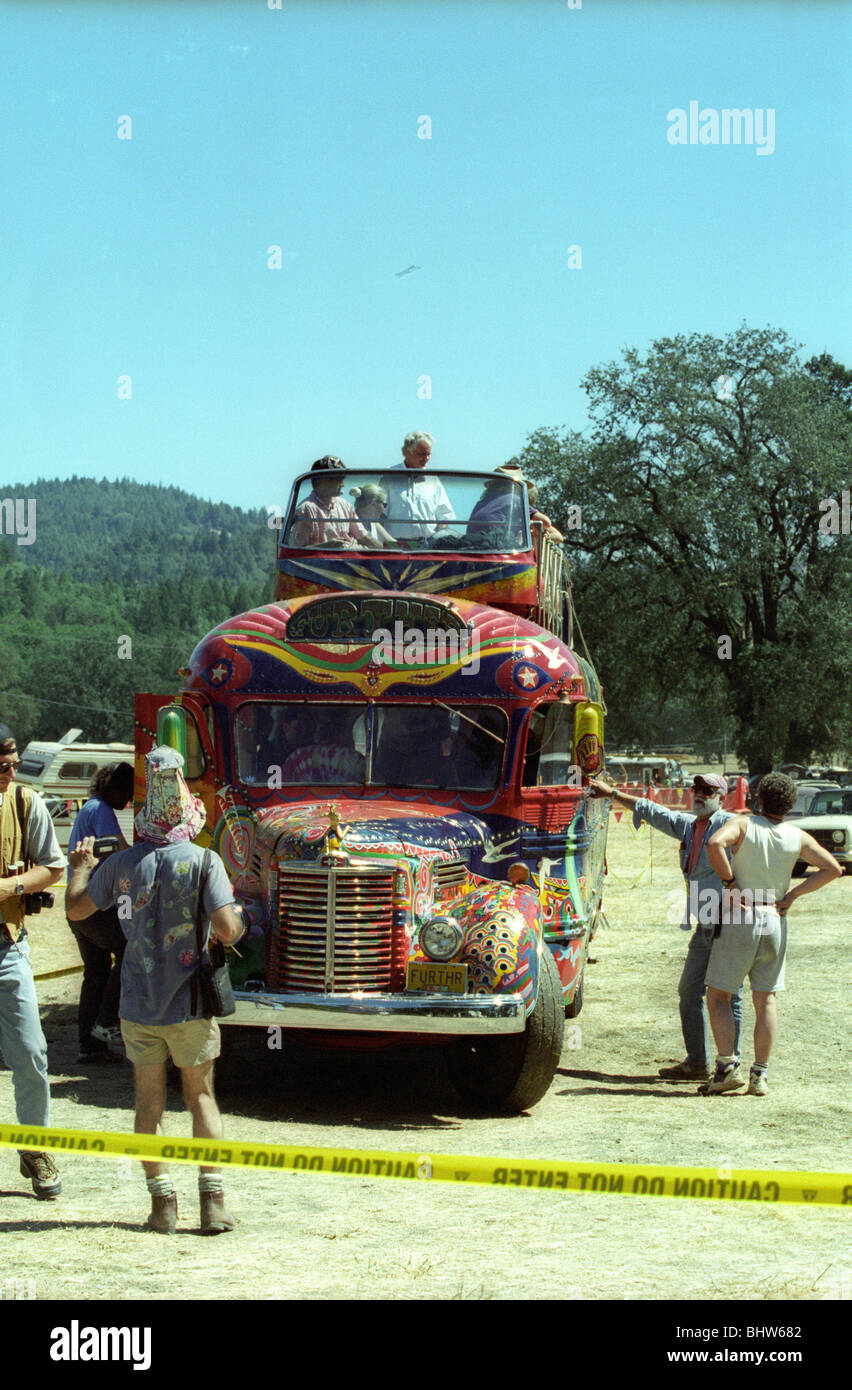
701	561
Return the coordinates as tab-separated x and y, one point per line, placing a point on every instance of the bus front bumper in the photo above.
409	1012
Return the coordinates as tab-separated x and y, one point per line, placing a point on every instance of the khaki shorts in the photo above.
757	951
190	1044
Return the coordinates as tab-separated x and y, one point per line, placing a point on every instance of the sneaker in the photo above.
106	1035
44	1175
685	1071
726	1078
757	1085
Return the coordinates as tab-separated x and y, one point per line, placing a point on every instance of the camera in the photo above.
34	902
105	846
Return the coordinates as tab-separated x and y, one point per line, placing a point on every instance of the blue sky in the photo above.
255	127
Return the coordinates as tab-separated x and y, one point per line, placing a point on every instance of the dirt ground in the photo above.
318	1236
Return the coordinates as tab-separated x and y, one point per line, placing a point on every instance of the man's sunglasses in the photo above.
704	790
5	767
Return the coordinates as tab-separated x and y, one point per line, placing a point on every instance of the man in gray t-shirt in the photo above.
753	937
156	885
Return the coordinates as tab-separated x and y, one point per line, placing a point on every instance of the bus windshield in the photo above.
287	744
408	509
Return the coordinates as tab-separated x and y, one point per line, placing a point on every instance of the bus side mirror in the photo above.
171	729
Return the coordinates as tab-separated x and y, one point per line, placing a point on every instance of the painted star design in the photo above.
527	677
219	672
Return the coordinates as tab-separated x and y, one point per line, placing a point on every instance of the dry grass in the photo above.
312	1236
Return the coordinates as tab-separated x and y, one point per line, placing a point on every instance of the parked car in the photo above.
829	820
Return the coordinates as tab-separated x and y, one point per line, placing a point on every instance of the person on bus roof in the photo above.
325	519
418	502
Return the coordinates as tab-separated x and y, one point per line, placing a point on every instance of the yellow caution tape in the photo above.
638	1179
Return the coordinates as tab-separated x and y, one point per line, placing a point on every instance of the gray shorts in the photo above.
756	950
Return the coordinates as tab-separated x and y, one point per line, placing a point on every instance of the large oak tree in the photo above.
705	562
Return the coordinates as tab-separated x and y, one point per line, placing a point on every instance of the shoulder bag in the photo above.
212	995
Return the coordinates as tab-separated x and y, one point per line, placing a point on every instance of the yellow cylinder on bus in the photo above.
588	737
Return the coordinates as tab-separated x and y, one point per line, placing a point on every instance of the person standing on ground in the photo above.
160	878
753	936
100	939
30	861
704	890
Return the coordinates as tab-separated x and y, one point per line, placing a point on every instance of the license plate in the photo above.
437	978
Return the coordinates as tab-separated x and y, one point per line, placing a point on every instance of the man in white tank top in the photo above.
752	936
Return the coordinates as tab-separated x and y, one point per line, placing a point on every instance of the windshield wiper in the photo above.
468	720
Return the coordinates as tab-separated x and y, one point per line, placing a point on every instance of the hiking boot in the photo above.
214	1218
163	1214
685	1071
757	1085
44	1175
727	1077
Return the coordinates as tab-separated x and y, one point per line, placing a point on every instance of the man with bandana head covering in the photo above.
159	879
704	888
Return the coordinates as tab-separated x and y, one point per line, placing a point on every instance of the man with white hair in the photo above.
704	891
418	504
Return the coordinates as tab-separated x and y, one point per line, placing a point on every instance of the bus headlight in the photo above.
441	937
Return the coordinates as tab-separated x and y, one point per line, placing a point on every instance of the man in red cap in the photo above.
704	889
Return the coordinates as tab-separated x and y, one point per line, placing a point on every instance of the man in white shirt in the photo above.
418	504
752	936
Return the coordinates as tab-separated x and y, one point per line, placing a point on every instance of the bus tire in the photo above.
512	1073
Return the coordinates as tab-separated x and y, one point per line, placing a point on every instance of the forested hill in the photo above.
142	532
112	560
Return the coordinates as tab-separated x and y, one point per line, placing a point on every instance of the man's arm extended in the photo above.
659	817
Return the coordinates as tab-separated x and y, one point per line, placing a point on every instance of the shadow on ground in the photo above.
402	1087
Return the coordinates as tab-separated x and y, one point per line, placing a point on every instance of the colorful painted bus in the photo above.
392	756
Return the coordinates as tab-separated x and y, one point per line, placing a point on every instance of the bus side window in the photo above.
552	729
532	753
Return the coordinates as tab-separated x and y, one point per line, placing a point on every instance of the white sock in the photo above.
160	1187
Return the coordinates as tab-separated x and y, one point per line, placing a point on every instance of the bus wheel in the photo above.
513	1072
